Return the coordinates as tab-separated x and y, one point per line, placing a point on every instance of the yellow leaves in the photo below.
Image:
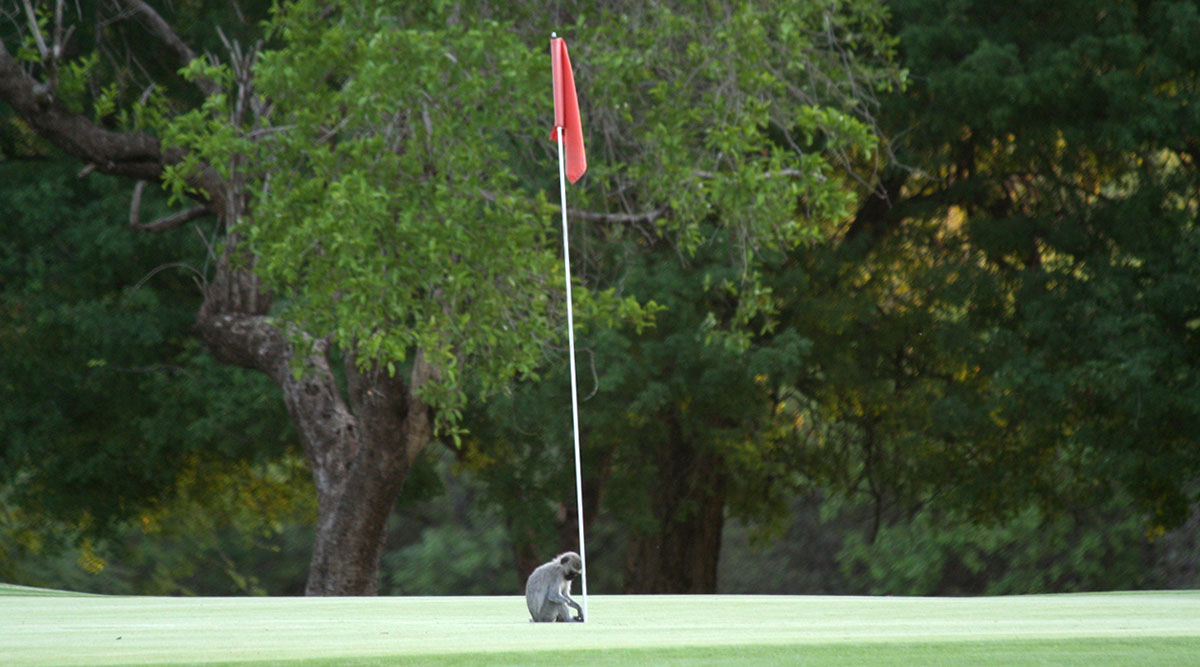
89	561
966	372
997	417
847	406
956	216
478	457
255	497
151	521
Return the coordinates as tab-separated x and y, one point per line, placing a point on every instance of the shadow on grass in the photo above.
1090	651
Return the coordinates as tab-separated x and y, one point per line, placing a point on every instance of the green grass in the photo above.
42	627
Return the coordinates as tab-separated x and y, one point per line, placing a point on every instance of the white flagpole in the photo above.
562	188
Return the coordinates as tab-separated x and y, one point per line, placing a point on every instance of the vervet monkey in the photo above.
548	590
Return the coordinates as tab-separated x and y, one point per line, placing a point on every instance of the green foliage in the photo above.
1063	150
455	558
799	559
118	72
107	404
730	137
1010	328
1006	346
741	130
225	530
834	547
1003	371
941	555
442	540
387	211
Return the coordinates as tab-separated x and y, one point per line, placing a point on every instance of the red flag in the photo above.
566	110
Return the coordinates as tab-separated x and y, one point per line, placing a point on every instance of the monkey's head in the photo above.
572	565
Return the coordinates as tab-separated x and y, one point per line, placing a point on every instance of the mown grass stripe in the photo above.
1157	627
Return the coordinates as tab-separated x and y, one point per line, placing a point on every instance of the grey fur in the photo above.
548	590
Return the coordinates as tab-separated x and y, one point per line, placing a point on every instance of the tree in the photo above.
738	135
421	307
1010	326
1008	332
375	331
677	434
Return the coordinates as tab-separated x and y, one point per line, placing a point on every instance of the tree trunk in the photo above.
350	531
358	481
360	447
688	506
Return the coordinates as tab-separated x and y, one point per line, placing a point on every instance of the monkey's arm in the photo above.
563	598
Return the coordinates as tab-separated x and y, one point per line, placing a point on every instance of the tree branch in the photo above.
597	216
133	154
164	223
59	38
389	409
790	173
258	342
663	211
163	31
620	218
172	221
43	51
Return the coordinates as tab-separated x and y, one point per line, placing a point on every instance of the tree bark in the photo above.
688	505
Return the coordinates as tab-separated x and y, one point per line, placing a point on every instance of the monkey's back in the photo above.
537	590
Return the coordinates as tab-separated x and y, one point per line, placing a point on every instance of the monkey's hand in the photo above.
579	617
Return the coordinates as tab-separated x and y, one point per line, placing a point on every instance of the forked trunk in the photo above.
360	446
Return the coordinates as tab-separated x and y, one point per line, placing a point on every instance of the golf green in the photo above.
37	627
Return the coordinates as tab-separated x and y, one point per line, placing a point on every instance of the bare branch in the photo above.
163	31
175	220
37	33
135	205
173	265
790	173
56	49
263	131
146	93
164	223
596	216
620	218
